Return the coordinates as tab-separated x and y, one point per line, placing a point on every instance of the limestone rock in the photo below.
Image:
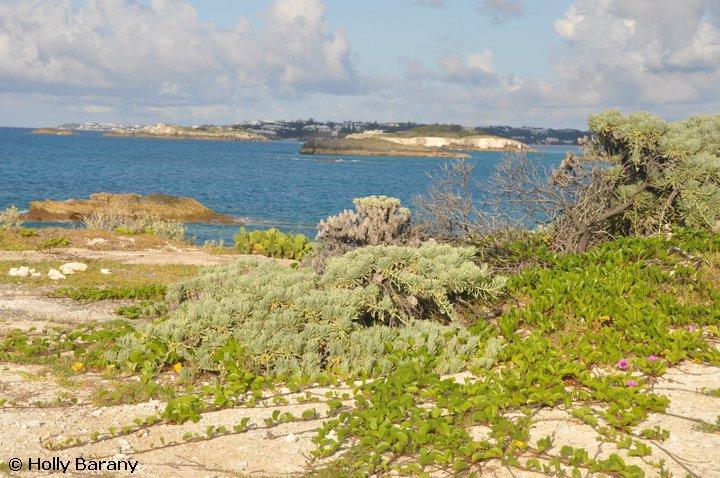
55	274
22	271
73	267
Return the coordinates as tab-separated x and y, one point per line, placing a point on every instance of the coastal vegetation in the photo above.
443	344
441	130
637	175
272	243
377	220
134	224
10	218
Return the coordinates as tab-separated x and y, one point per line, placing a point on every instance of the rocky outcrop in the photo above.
54	131
184	132
374	147
165	207
463	143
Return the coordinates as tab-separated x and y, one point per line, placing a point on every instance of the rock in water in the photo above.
55	274
169	208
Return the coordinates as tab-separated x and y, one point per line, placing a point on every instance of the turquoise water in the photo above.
266	183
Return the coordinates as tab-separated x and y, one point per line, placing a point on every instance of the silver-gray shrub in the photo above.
295	321
412	282
377	220
10	218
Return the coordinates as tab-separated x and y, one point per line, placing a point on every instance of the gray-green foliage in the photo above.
676	165
294	321
377	220
10	218
410	282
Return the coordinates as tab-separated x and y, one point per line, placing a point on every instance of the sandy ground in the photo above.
35	409
284	450
169	255
24	308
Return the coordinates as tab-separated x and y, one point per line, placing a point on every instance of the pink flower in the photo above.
623	364
631	383
692	328
653	358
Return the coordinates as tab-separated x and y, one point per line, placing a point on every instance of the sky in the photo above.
474	62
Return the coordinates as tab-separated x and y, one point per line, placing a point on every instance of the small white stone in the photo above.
124	445
291	438
105	271
36	274
13	272
55	274
23	271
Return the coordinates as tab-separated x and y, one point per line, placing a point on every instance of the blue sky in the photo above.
474	62
383	31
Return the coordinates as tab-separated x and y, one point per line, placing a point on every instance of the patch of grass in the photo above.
28	239
92	294
53	242
122	275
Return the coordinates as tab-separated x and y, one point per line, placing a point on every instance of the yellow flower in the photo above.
604	318
77	366
177	367
519	444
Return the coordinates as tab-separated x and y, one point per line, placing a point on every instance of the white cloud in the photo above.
502	10
161	47
146	60
639	54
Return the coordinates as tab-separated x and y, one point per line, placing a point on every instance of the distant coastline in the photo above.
53	131
374	147
164	131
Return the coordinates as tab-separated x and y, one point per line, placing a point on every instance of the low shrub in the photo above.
10	218
272	243
295	322
377	220
90	294
53	242
122	223
409	283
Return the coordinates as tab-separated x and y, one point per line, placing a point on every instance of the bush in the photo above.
10	218
272	243
110	220
377	220
293	321
408	283
53	242
668	173
638	175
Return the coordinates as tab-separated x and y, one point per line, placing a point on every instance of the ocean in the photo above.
267	184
